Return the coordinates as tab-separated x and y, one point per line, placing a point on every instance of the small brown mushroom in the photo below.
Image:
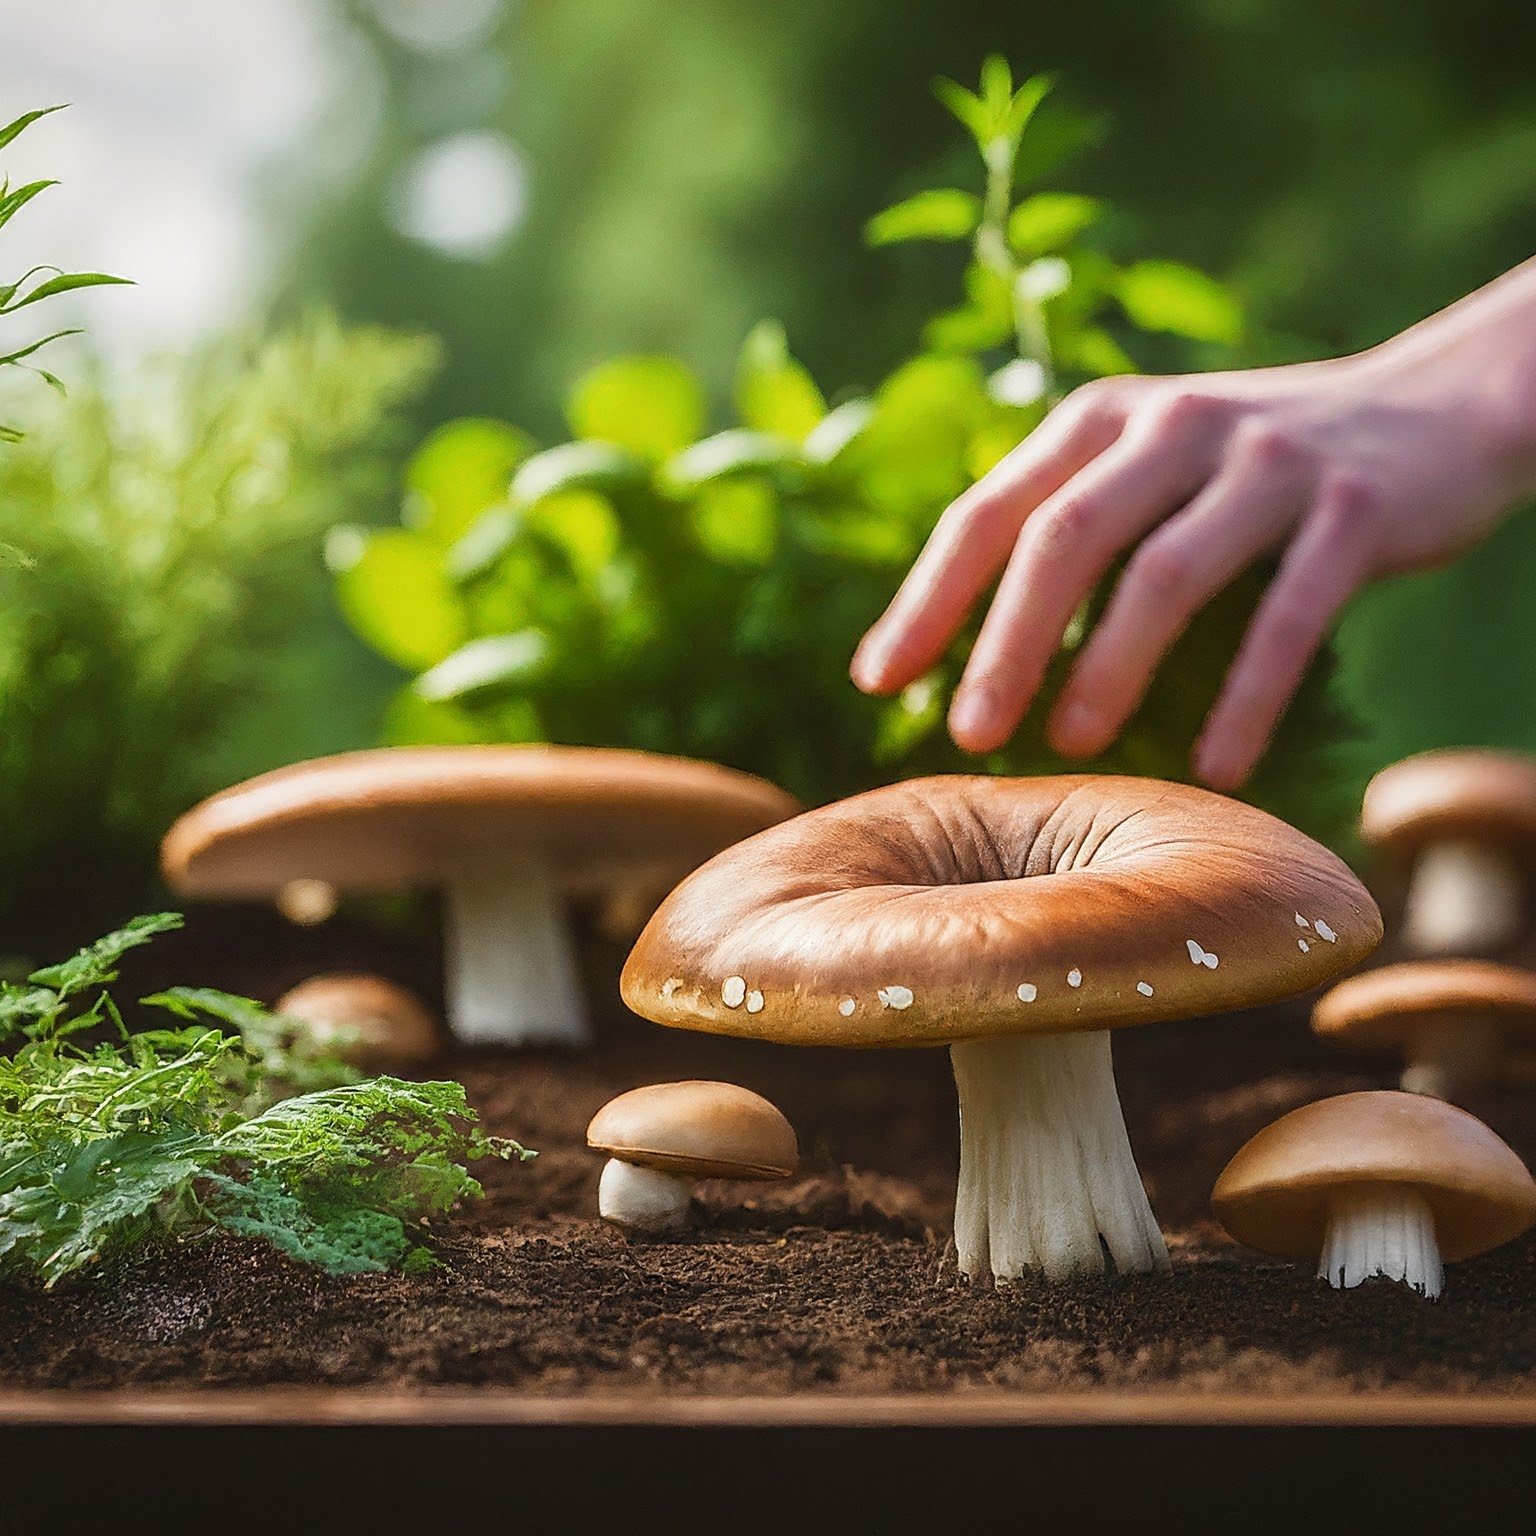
661	1137
1450	1019
1376	1184
504	832
1461	824
373	1023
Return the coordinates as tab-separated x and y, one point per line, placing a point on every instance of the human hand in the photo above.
1348	470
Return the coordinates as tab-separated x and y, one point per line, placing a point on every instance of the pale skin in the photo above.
1389	460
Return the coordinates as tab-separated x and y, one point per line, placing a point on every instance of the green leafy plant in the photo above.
650	584
40	282
168	629
110	1144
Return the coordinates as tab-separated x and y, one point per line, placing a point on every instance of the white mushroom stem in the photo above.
511	971
1446	1056
1381	1229
1046	1170
642	1198
1464	898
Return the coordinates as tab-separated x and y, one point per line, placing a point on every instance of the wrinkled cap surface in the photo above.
958	907
1456	793
397	817
1274	1194
697	1129
1383	1007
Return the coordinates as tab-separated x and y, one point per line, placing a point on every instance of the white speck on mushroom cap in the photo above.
733	991
1301	922
669	986
1145	988
1303	946
1199	956
1324	931
754	1002
1210	961
1074	977
1028	992
846	1007
895	997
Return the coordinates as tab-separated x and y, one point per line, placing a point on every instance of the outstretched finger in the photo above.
1244	511
972	540
1061	553
1325	565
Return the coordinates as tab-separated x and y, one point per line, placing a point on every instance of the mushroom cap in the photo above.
1274	1193
929	911
1459	792
1381	1008
698	1130
372	1022
396	817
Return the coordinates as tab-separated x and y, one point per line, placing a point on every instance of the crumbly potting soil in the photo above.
841	1281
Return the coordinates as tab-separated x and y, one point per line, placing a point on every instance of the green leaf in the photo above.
585	528
908	719
410	720
493	662
966	107
1094	352
774	393
1168	296
12	202
736	521
732	452
651	405
25	121
838	430
461	469
944	213
588	466
96	964
395	593
65	282
1026	101
1048	221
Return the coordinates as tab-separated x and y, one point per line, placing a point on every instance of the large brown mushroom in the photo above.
1376	1184
1017	921
505	833
1460	827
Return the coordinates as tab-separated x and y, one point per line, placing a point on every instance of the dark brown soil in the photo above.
839	1282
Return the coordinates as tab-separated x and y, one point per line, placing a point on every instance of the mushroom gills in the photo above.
1465	898
1381	1229
1046	1169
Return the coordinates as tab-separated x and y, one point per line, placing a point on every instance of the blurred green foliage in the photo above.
650	586
693	164
161	631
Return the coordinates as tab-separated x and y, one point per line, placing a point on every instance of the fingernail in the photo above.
867	668
1078	730
971	712
1213	770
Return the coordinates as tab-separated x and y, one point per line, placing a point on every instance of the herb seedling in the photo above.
179	1132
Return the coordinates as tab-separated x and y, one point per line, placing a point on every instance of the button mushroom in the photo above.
1376	1184
374	1023
1449	1018
1017	921
503	832
659	1138
1461	826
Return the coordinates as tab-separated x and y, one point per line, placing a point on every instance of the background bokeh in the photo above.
542	185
